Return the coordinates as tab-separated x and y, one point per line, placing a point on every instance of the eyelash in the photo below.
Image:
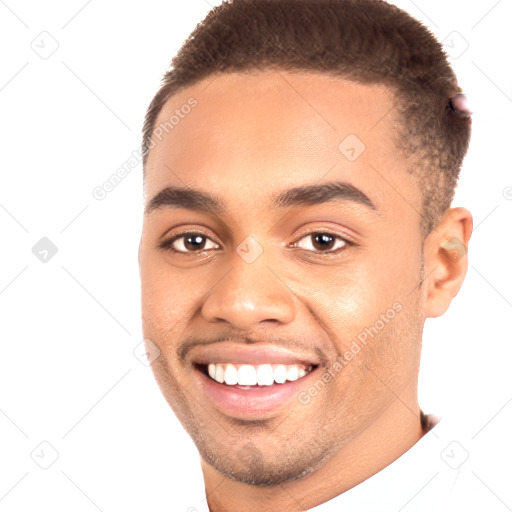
167	244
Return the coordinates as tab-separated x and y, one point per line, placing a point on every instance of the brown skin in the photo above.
249	138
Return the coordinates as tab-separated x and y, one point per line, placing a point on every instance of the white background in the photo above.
68	327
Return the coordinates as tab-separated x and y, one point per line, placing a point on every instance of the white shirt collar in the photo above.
421	479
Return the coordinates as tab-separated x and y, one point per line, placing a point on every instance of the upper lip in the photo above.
225	352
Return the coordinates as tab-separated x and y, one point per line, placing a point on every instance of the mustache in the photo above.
296	343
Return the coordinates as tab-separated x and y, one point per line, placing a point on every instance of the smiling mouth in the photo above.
254	376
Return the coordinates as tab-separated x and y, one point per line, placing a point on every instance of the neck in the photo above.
396	430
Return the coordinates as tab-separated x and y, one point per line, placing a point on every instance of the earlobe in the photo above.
446	260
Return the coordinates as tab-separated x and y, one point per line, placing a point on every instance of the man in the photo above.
300	160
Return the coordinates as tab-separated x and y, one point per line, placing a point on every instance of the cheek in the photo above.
169	295
159	293
390	272
363	301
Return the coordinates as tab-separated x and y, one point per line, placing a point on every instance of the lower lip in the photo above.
252	402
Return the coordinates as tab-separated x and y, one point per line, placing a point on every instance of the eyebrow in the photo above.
306	195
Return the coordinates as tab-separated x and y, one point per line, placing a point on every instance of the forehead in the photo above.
254	133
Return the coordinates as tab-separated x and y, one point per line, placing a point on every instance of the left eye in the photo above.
323	242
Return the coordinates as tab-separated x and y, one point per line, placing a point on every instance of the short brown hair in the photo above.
365	41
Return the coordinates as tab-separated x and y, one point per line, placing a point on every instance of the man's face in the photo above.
327	285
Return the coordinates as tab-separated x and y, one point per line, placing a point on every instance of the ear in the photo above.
445	252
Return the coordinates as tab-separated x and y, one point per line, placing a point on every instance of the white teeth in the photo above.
280	373
219	373
265	375
230	375
247	375
292	373
252	375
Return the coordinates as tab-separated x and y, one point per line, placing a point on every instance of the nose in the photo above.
249	294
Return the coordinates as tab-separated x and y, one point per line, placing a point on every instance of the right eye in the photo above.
188	242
